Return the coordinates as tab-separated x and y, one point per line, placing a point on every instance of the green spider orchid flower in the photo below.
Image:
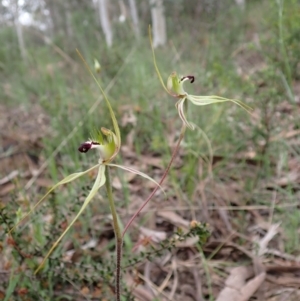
175	88
108	144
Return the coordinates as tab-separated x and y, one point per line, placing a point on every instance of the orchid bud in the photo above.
97	66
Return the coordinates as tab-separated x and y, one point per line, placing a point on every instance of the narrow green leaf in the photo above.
66	180
111	112
100	181
13	281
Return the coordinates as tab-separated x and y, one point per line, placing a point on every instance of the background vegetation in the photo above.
49	105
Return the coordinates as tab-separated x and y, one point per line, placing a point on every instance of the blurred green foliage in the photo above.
232	53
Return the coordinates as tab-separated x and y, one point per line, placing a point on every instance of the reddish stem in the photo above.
174	154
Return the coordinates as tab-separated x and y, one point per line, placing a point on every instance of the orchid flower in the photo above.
175	88
108	144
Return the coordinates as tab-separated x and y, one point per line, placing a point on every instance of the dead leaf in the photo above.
140	291
85	291
156	236
9	177
284	280
237	288
44	182
263	243
152	161
174	218
7	188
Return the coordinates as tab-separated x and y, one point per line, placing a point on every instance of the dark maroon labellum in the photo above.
190	77
85	147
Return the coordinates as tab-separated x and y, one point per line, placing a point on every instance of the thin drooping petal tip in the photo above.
191	78
86	146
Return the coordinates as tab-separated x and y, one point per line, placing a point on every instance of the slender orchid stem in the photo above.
118	235
174	154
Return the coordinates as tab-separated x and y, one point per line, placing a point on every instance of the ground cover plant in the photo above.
249	196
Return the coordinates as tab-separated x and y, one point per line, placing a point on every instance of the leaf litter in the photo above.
245	256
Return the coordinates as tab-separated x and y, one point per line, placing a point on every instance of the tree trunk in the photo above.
135	18
241	3
56	14
19	31
158	23
123	11
105	21
68	20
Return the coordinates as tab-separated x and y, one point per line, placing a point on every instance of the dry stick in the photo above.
174	154
117	230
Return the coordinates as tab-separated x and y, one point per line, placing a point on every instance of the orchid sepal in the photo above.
137	172
180	109
65	180
99	182
211	99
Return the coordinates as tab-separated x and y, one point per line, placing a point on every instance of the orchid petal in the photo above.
112	147
100	181
97	136
111	112
132	170
97	66
176	84
66	180
170	83
180	108
155	64
206	100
